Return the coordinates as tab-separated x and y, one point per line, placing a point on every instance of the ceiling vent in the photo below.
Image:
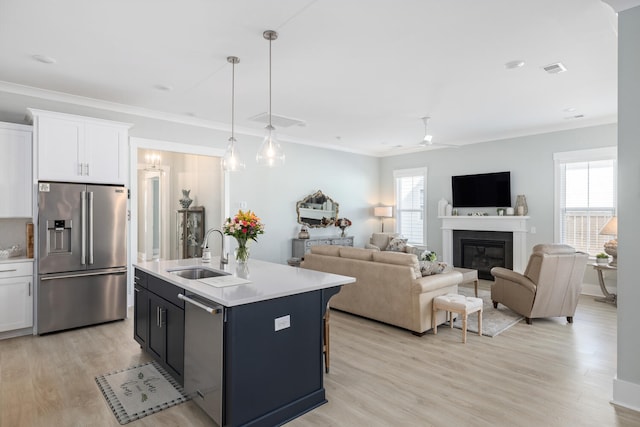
556	68
277	121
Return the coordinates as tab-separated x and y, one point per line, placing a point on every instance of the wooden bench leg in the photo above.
464	327
480	322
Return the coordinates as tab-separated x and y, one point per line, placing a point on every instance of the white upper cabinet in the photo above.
80	149
15	171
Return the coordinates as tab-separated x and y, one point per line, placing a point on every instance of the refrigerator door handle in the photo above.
90	195
83	227
93	273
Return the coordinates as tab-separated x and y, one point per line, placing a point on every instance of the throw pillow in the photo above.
428	268
397	244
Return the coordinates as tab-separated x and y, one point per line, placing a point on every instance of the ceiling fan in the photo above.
427	140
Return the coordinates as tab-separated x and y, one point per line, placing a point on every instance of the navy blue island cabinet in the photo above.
258	360
274	376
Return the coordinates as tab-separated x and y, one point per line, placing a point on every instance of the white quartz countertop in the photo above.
268	280
15	259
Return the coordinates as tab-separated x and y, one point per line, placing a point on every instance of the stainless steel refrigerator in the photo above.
82	255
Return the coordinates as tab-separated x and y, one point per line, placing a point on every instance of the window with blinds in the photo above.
410	188
586	197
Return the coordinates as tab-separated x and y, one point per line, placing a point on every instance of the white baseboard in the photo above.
626	394
594	290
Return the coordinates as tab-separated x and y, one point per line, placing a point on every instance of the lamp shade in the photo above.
383	211
611	227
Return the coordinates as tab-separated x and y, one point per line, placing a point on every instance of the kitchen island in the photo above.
263	351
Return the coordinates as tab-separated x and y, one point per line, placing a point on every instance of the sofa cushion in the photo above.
397	244
399	258
331	250
357	253
381	240
434	267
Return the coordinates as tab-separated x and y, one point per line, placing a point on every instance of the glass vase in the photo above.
242	251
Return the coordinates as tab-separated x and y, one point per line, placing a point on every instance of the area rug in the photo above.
494	320
139	391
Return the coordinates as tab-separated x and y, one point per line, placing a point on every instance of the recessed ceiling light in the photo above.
570	109
517	63
165	88
44	59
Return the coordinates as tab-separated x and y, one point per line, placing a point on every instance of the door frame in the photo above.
136	143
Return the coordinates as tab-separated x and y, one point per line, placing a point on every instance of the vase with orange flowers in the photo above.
244	226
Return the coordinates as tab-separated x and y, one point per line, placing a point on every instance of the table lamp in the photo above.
383	212
611	247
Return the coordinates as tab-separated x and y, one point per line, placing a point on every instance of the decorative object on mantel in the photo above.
186	201
442	207
521	205
343	223
611	247
510	211
500	211
304	233
244	226
448	210
383	212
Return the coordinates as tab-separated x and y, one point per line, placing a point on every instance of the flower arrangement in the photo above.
342	223
244	226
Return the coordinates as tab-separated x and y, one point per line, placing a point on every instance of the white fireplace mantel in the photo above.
514	224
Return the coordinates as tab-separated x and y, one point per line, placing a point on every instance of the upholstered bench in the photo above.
460	304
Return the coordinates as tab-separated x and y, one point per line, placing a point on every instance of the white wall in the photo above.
530	161
349	179
626	387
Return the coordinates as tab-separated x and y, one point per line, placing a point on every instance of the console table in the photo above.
299	247
608	297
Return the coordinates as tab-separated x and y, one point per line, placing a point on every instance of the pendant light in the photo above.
231	161
270	153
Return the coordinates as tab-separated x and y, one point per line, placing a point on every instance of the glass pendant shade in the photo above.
270	153
232	161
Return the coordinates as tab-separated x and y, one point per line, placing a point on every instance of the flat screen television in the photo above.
482	190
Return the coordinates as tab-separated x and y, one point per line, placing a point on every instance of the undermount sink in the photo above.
197	273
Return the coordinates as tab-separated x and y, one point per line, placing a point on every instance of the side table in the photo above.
608	297
469	275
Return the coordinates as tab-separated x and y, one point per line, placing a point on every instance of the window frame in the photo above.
579	156
406	173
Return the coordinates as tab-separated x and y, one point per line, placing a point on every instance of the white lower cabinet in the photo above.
16	295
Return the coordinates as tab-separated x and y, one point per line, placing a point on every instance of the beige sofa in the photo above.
388	287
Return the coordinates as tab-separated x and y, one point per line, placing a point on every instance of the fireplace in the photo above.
515	225
482	250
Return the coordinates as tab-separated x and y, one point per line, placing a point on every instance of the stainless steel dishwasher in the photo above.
203	354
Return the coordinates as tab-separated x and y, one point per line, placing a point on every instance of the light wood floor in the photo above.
548	374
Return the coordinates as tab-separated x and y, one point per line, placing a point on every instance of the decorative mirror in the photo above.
317	210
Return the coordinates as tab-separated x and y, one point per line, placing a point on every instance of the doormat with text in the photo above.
139	391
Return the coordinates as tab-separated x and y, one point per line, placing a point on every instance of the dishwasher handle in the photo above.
206	308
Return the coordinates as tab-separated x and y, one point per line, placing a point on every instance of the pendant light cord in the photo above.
270	126
233	99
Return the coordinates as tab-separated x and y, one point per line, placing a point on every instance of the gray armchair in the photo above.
549	287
